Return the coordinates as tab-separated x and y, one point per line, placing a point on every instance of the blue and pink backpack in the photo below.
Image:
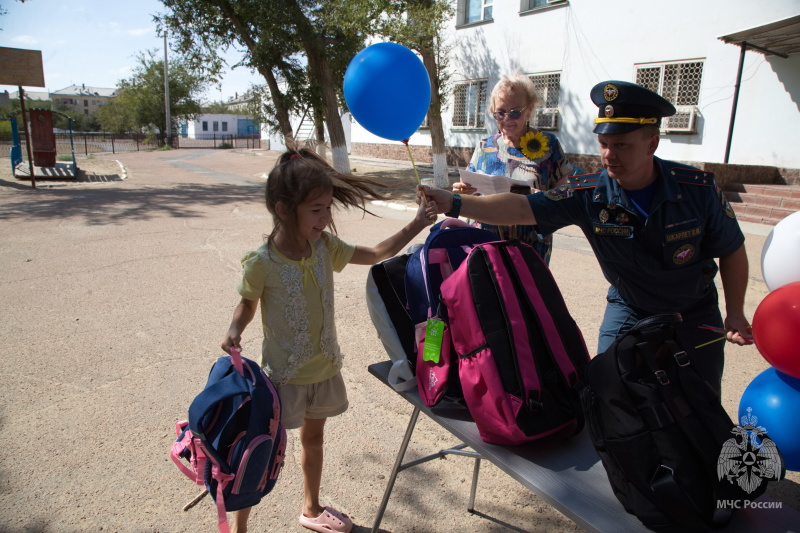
234	442
446	247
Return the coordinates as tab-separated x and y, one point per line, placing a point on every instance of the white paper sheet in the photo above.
488	184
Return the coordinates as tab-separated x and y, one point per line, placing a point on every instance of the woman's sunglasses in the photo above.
514	114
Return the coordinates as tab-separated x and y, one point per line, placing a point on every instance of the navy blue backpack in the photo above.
445	248
234	441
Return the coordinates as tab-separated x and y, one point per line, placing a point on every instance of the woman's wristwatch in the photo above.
456	208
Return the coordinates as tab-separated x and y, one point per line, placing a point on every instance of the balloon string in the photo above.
710	342
414	166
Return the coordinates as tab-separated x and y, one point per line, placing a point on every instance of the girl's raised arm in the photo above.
364	255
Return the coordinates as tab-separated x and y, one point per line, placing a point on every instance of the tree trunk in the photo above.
330	109
243	31
281	113
319	128
318	64
440	176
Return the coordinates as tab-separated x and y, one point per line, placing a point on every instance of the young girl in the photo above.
292	276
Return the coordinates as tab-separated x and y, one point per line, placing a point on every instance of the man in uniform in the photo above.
655	227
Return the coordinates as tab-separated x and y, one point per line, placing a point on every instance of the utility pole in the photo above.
166	89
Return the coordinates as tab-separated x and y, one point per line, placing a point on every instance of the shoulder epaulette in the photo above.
584	181
692	176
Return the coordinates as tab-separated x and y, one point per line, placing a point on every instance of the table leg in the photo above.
474	488
398	462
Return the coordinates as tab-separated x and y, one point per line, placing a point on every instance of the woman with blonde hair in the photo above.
519	151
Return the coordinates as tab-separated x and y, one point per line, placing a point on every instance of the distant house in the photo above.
81	98
31	96
239	103
217	126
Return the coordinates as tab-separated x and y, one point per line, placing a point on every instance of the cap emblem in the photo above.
609	111
610	92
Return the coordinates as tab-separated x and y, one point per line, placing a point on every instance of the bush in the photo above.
225	146
64	157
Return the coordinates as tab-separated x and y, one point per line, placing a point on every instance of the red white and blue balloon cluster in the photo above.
774	395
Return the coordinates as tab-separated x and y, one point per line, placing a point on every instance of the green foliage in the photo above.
139	103
224	146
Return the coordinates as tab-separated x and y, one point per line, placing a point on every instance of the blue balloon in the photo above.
387	90
774	398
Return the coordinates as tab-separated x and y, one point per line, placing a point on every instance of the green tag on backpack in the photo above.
432	349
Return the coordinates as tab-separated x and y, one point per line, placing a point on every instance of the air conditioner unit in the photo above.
546	118
683	121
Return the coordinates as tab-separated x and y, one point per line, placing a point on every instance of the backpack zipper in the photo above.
237	484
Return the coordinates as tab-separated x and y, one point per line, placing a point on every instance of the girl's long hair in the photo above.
300	174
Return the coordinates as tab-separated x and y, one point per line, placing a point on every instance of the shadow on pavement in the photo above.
112	206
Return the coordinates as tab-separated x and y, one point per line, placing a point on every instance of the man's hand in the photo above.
739	330
441	199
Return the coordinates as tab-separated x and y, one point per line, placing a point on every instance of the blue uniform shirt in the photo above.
664	263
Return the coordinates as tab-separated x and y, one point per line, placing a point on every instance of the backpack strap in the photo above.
663	484
236	358
222	481
196	456
525	279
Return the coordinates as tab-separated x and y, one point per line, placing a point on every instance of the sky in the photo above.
95	42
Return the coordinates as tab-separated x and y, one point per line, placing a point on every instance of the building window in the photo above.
216	125
679	83
224	126
547	89
205	125
85	111
528	5
469	104
86	103
474	10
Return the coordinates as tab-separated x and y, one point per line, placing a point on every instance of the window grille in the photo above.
205	125
547	89
679	83
469	104
477	10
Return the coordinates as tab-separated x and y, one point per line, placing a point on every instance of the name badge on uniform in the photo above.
613	231
683	235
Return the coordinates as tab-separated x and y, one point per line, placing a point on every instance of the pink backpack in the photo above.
520	354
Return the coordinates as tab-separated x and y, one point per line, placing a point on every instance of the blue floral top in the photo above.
493	156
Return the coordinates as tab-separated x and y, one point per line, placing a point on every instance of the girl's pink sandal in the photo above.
330	521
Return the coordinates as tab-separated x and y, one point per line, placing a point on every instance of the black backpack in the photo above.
662	433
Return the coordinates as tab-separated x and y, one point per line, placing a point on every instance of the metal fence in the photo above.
93	143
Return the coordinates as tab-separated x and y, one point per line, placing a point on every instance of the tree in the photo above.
139	104
418	25
289	42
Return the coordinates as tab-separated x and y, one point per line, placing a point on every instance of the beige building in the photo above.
239	104
81	99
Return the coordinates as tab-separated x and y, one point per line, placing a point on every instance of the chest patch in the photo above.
613	231
683	254
683	235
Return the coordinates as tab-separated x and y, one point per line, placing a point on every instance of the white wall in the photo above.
195	127
590	41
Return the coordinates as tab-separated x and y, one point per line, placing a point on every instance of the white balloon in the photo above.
780	257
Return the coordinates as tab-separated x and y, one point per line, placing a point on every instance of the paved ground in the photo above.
116	291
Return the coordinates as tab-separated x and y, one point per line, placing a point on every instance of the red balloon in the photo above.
776	325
